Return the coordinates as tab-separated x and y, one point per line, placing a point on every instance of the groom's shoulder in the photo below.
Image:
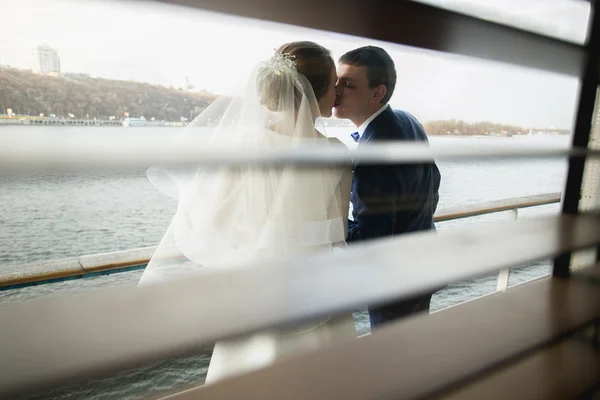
405	117
408	124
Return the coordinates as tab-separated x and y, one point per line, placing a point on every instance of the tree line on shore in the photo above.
454	127
82	96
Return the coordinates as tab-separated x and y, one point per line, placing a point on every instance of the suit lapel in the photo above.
368	133
376	125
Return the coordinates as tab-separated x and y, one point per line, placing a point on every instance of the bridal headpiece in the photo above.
282	62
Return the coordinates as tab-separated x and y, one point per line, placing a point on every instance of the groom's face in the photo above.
354	95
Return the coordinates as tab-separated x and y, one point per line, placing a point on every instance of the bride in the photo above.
239	216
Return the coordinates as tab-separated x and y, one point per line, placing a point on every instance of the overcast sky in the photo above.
163	44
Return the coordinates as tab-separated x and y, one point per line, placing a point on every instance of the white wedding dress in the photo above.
236	217
232	357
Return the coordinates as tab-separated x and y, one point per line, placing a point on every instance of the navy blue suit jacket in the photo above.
393	199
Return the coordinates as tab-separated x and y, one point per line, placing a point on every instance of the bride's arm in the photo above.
344	187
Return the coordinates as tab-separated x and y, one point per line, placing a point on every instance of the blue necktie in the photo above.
355	136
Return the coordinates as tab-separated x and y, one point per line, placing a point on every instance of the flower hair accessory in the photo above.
282	62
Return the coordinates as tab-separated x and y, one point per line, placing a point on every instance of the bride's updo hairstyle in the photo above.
311	60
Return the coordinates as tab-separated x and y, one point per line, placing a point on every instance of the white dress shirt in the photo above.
363	127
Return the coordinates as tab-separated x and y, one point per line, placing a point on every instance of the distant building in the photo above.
46	60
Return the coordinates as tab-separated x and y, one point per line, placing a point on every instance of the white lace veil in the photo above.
233	216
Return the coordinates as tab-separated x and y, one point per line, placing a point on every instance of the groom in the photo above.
386	199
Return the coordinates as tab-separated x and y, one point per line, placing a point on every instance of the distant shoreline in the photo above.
31	122
64	122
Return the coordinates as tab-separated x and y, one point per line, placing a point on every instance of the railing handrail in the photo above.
495	206
15	276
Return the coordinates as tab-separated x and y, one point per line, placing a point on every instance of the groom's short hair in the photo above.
379	65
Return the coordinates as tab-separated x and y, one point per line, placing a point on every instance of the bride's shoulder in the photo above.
335	141
338	144
330	140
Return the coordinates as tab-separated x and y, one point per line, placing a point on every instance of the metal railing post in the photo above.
504	274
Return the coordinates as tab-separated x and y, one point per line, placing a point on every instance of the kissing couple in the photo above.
237	217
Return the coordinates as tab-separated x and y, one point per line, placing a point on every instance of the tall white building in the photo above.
46	60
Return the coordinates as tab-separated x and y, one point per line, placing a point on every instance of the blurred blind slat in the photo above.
421	357
134	150
412	24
